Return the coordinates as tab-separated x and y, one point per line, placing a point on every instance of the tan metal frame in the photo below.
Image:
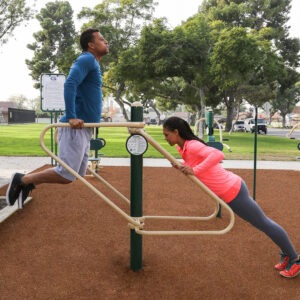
109	185
292	130
133	221
138	223
212	195
220	132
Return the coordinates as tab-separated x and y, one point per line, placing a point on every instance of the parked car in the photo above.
239	125
261	125
151	122
218	126
106	117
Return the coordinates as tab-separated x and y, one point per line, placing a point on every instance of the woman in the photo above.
204	162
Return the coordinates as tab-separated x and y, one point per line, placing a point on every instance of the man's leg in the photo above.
73	145
45	176
21	185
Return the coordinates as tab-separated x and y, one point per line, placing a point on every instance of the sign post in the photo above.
52	99
136	146
52	92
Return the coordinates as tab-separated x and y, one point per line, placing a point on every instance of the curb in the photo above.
7	211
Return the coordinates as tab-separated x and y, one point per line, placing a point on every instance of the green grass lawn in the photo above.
23	140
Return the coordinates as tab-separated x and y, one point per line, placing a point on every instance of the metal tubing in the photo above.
174	161
200	184
187	232
91	125
101	195
292	130
255	153
136	196
137	223
182	218
109	185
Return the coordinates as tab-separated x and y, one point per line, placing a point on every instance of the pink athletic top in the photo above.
205	162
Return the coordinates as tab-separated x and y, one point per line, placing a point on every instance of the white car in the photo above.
261	125
239	125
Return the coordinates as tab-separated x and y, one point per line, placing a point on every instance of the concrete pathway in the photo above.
9	165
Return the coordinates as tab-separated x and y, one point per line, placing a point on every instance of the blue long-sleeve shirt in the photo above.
82	90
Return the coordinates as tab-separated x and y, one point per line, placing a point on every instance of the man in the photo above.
83	101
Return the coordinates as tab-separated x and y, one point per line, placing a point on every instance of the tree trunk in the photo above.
230	113
119	100
201	124
235	118
153	105
283	120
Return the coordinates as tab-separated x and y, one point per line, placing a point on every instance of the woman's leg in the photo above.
245	207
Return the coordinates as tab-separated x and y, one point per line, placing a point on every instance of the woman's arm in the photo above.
211	156
207	157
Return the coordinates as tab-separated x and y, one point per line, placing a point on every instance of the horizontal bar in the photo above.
185	232
181	218
102	124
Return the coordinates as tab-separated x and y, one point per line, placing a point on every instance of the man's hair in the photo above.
86	37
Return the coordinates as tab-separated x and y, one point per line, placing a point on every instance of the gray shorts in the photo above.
74	149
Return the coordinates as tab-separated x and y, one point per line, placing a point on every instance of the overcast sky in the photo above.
14	76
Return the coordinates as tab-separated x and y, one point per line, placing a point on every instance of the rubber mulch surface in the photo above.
69	244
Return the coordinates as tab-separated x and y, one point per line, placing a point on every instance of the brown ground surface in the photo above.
68	244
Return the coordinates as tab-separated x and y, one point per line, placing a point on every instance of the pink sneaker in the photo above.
292	270
284	261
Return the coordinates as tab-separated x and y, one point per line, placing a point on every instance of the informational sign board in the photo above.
136	144
52	92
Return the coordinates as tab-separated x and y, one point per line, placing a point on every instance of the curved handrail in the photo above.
288	135
220	132
212	195
137	223
134	221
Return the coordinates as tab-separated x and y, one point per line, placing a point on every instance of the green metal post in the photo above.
52	138
96	151
255	154
209	119
55	144
136	196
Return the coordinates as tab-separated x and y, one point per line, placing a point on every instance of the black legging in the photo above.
245	207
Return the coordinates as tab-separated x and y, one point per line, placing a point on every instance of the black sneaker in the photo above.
14	188
25	191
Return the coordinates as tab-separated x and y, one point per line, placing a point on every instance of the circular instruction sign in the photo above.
136	144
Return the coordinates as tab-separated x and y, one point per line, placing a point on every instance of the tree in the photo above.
120	22
224	54
171	65
146	66
34	104
54	48
287	93
12	14
244	65
254	14
20	100
267	20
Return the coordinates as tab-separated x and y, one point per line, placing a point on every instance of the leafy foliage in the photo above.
54	46
12	14
228	52
120	22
